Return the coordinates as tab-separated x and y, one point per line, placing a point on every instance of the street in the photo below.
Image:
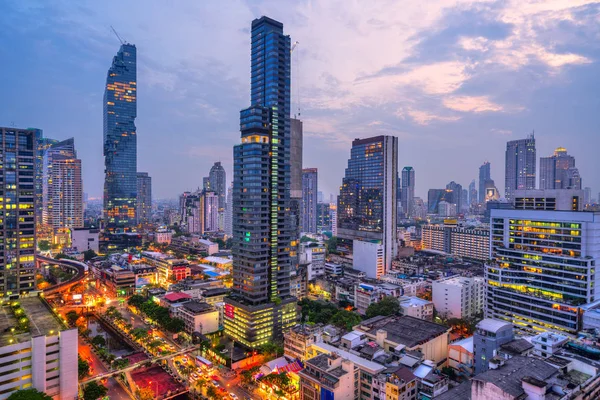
115	391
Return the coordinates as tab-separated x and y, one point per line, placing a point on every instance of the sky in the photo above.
453	80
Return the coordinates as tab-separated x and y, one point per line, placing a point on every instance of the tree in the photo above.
174	325
146	393
153	345
72	317
63	255
121	363
99	341
389	305
331	244
93	391
83	367
305	239
139	334
89	254
29	394
211	392
346	319
44	245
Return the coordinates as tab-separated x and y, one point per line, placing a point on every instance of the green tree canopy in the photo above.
44	245
83	367
89	254
29	394
389	305
99	341
346	319
93	391
72	317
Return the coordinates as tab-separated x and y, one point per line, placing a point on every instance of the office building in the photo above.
198	316
367	294
211	211
458	296
437	196
543	267
229	212
41	357
309	200
558	171
467	242
407	193
260	307
473	193
62	186
520	166
18	217
489	335
333	219
144	198
367	202
446	209
324	222
587	196
312	254
549	200
456	195
120	142
84	239
218	184
485	174
41	144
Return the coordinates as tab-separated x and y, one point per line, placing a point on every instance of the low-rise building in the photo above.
367	294
460	357
459	297
329	376
84	239
401	384
416	307
163	235
547	344
198	317
333	269
489	335
313	255
298	340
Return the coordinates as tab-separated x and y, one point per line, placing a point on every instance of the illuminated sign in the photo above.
229	311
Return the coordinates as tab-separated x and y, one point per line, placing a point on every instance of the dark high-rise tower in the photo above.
520	166
144	198
260	306
484	176
218	184
559	172
309	200
120	142
407	194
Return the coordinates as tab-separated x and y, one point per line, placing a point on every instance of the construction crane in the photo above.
117	35
296	43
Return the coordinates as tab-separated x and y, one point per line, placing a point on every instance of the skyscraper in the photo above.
473	194
408	191
295	188
456	196
367	201
211	211
484	176
218	184
558	171
587	195
120	141
309	200
229	212
41	144
144	198
520	166
260	306
62	204
17	259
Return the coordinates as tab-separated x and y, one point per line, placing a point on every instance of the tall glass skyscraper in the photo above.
408	191
261	306
367	202
120	142
485	174
520	166
144	198
218	184
309	199
559	172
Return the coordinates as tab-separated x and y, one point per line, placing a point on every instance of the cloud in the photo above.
505	132
475	104
422	117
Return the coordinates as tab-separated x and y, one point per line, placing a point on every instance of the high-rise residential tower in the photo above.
62	199
296	131
229	212
473	194
520	166
120	141
366	209
144	198
559	172
407	193
484	176
218	184
309	200
41	144
17	259
260	306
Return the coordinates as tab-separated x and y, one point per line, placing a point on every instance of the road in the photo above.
115	390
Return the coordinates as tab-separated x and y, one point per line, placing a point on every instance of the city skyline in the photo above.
478	132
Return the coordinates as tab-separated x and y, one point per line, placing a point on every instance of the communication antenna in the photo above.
296	43
117	35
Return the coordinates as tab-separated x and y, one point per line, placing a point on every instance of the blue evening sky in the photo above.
454	80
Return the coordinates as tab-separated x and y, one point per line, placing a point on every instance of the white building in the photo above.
313	254
211	212
547	343
328	374
459	297
446	209
198	317
44	358
163	235
333	269
369	258
366	294
417	308
209	247
84	239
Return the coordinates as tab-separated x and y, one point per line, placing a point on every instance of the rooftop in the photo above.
198	307
492	325
322	362
175	297
215	292
412	301
361	362
217	260
41	321
509	376
517	346
460	392
406	330
466	344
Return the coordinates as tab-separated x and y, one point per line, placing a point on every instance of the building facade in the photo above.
473	243
520	166
260	307
229	212
309	200
62	186
144	198
459	297
218	184
17	229
558	171
544	267
41	144
367	204
485	174
489	335
407	194
120	141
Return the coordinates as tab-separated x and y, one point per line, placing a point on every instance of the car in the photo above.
233	396
195	376
177	363
184	360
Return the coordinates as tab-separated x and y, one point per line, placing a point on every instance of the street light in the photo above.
156	382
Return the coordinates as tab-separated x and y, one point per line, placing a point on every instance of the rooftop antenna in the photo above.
117	35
